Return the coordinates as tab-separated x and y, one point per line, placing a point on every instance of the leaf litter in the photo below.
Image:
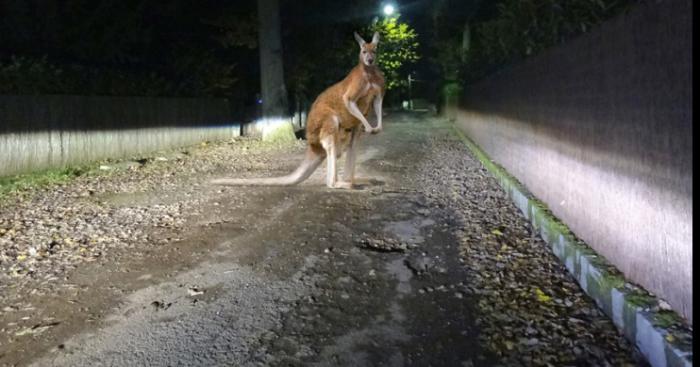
531	311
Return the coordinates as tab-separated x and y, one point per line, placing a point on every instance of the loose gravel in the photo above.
531	310
46	233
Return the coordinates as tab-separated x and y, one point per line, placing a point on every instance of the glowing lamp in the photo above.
389	9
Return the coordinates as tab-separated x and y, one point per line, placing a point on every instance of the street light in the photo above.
389	9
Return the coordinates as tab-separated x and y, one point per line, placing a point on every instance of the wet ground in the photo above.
427	263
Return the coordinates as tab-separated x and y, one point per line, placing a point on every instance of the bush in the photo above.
24	75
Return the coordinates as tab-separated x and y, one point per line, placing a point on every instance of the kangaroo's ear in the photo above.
359	39
375	38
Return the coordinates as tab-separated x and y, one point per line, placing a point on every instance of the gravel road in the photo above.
426	263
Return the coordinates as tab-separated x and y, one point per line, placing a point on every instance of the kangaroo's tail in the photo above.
311	161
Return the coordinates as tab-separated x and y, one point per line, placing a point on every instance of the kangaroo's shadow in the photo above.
364	183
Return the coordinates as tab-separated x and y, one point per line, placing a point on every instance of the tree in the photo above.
133	47
398	47
504	32
274	93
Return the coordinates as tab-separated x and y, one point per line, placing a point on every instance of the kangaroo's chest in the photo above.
374	86
375	83
365	102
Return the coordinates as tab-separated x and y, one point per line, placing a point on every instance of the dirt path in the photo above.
398	272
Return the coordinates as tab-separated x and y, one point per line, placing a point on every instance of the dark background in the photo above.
208	48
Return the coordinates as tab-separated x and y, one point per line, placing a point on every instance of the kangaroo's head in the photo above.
368	51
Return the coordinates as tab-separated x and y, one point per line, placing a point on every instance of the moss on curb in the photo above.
639	299
612	280
666	319
11	185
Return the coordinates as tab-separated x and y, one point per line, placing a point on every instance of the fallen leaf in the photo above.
36	329
541	296
194	292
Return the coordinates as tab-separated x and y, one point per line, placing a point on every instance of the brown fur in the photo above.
331	126
330	103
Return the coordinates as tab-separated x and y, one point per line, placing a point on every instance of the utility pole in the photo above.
410	97
274	93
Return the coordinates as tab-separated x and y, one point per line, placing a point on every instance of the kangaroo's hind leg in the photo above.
330	146
350	157
330	142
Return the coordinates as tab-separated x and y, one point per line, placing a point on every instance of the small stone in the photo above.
663	305
194	292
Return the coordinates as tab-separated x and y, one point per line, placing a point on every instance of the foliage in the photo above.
184	48
319	48
26	75
30	181
524	28
398	50
116	47
504	32
236	30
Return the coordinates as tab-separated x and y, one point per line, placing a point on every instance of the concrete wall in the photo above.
38	132
262	126
600	129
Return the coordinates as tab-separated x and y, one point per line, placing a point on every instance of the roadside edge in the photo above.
634	311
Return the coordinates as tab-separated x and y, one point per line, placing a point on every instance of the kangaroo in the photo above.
334	121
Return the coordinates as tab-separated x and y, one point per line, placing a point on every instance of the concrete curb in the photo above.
634	311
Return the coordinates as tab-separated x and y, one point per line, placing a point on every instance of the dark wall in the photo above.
600	129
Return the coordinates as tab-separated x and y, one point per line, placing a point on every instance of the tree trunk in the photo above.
274	93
